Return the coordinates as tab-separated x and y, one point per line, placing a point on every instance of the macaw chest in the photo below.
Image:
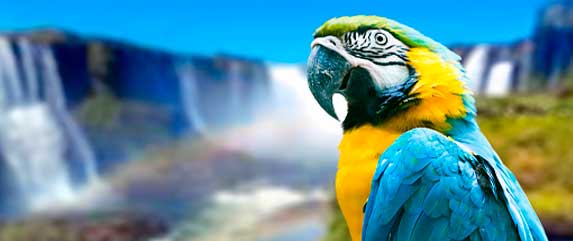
352	190
360	150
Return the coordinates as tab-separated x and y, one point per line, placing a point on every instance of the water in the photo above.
311	230
295	128
30	73
38	136
12	92
236	85
241	215
33	148
499	80
475	66
56	100
190	96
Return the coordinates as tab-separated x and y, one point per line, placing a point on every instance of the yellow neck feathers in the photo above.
440	92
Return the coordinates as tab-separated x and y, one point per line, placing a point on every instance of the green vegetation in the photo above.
33	231
337	230
88	227
532	134
100	109
533	137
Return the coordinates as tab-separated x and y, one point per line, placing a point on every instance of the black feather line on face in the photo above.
375	57
389	63
363	55
401	56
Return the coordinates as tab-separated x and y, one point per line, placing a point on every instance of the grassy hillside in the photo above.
532	134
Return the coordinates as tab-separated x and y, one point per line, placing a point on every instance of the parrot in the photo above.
413	162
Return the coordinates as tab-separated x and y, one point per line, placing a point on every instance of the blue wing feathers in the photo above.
429	188
435	203
439	229
409	219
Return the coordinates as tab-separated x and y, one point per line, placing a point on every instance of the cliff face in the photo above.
553	41
543	62
89	67
157	95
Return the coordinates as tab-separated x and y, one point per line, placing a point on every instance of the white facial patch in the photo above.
340	106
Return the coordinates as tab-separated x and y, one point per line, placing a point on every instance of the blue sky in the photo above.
278	31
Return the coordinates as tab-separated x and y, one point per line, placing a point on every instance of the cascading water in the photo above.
475	66
499	80
236	87
36	131
296	127
189	96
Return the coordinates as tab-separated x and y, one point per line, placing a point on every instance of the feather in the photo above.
429	190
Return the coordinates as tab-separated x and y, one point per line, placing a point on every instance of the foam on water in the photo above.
237	214
33	148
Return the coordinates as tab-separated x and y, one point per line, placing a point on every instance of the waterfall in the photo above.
36	131
12	93
296	127
57	100
29	70
189	96
236	87
475	66
499	80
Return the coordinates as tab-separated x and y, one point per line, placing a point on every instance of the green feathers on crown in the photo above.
409	36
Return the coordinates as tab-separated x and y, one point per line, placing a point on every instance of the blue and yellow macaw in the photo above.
414	164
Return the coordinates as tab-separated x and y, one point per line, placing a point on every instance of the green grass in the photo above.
535	143
533	136
337	230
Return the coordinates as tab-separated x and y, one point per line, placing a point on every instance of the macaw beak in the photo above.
326	72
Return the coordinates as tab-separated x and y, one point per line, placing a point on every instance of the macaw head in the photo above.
389	73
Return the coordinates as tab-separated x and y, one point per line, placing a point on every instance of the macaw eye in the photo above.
381	39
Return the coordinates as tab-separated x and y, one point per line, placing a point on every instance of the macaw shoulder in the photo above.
424	146
427	187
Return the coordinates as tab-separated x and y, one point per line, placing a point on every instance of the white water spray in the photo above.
236	89
36	130
190	96
499	80
475	66
295	128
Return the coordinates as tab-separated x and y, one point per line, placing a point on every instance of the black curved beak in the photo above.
326	73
